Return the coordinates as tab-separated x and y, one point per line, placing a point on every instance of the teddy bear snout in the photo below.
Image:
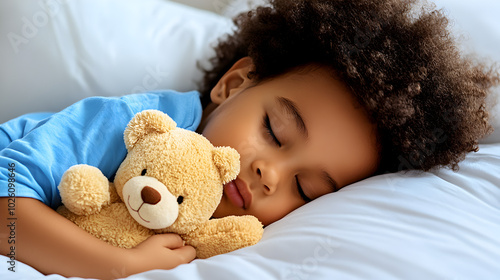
150	202
150	195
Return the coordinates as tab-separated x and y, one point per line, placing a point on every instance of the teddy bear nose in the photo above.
150	195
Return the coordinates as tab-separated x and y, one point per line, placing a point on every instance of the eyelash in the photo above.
301	191
266	122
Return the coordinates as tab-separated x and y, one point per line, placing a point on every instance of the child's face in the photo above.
300	136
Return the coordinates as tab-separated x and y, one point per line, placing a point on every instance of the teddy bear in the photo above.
170	181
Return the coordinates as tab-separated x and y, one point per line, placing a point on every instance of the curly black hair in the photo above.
398	58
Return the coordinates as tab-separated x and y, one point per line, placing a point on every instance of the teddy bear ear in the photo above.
146	122
227	161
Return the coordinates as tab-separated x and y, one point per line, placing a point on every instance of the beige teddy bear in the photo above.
171	181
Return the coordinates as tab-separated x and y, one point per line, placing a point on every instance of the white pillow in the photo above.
56	52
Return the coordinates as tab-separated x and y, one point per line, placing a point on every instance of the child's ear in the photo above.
234	80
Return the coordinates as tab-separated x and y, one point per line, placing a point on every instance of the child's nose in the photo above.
268	176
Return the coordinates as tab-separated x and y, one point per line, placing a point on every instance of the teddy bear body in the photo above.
171	181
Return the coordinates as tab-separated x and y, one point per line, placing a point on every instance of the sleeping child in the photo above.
314	94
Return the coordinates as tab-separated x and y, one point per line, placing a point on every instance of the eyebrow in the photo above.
291	108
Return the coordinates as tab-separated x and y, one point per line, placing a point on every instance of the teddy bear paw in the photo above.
84	189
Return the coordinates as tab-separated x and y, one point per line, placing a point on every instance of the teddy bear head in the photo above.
172	179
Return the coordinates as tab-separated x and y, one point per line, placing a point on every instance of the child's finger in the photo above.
187	253
168	240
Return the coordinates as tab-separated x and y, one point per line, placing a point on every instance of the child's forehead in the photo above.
312	69
305	82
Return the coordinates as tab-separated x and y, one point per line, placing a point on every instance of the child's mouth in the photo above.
238	193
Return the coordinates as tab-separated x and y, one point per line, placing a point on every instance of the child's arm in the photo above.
53	244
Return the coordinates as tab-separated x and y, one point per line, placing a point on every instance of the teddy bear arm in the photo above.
84	189
219	236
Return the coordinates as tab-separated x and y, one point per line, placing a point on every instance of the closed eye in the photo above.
301	191
266	122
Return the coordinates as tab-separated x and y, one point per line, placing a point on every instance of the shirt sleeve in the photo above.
18	127
88	132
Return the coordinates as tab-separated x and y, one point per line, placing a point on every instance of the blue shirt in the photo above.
36	149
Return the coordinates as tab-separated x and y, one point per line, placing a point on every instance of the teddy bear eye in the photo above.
144	172
180	199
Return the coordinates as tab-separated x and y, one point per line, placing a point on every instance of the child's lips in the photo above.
238	193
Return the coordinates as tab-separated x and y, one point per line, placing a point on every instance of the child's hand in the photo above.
161	251
52	244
